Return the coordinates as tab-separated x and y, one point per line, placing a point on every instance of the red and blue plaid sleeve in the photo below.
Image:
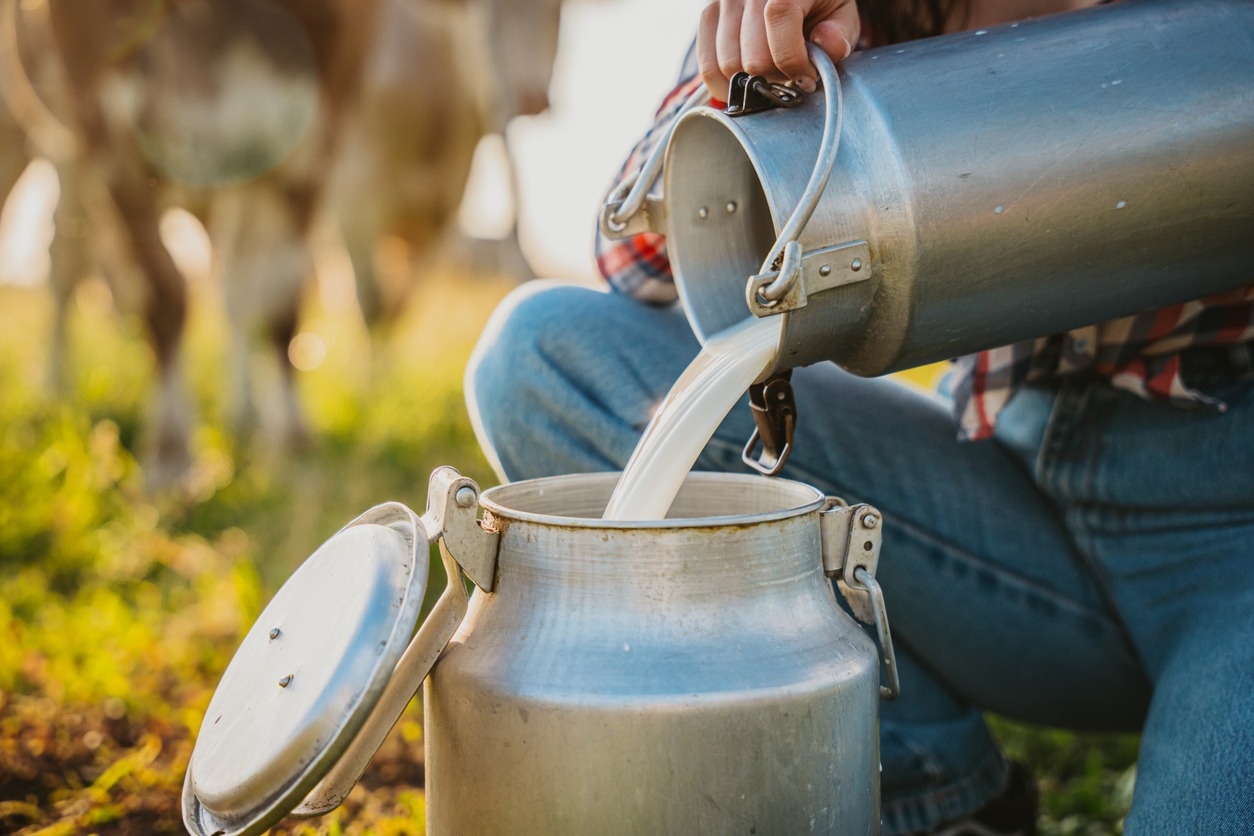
638	266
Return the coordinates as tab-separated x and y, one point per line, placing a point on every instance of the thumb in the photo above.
786	23
838	32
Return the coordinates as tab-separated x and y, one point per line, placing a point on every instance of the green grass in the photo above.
118	612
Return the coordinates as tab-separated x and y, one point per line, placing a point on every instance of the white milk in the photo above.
684	422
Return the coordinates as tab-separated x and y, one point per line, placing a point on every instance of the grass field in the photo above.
118	611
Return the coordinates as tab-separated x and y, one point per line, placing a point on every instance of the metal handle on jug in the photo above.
779	279
465	548
621	216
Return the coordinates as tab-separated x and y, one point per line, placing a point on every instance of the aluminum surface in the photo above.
465	547
305	677
327	669
693	675
1010	183
625	678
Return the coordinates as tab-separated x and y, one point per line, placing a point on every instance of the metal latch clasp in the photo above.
775	420
753	93
851	536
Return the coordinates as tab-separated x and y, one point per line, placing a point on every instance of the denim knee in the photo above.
520	340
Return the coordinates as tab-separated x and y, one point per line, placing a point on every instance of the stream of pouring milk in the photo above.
687	418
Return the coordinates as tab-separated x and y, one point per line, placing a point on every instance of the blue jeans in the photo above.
1091	568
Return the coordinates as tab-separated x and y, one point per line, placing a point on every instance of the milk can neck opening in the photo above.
705	500
721	225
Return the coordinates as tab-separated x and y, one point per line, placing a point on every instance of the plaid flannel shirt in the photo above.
1139	353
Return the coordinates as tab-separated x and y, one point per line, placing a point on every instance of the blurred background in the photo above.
246	249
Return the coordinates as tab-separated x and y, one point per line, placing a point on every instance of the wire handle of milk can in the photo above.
779	279
621	216
465	548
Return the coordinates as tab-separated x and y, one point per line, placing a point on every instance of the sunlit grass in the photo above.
118	612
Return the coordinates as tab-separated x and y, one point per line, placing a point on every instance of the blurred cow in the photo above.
30	82
231	109
441	76
13	150
236	110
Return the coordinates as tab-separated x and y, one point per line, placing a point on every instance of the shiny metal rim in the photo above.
496	500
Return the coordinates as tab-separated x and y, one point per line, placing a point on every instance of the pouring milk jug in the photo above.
1098	169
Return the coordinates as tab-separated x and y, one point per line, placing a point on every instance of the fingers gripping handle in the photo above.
466	548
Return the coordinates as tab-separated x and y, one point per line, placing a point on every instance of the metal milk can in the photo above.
693	675
971	190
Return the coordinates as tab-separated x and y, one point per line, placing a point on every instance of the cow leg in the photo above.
224	221
362	200
497	256
78	30
69	262
19	96
13	156
263	260
359	227
165	312
283	327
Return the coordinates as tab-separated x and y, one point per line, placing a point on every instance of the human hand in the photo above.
768	38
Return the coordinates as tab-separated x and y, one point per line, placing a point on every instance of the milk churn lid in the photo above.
307	675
